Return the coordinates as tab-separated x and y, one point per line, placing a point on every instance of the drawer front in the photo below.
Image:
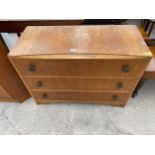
122	68
3	93
88	84
81	96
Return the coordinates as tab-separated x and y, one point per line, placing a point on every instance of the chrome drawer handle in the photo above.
114	97
125	68
39	84
119	85
45	95
32	68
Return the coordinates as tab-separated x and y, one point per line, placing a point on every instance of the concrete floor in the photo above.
137	117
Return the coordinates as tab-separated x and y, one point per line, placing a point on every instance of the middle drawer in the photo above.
70	83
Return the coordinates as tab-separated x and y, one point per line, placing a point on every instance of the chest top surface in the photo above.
120	40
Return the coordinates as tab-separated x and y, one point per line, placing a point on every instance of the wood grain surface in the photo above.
89	68
82	96
9	80
80	84
81	63
114	40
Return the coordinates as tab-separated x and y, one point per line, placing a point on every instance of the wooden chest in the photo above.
11	86
100	64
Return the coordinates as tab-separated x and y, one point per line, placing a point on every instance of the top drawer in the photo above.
108	68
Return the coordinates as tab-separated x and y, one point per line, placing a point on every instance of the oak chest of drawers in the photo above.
100	64
11	86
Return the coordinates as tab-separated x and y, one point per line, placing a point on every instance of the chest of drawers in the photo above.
11	86
100	64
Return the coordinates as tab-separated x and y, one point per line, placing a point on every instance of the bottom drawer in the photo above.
107	98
